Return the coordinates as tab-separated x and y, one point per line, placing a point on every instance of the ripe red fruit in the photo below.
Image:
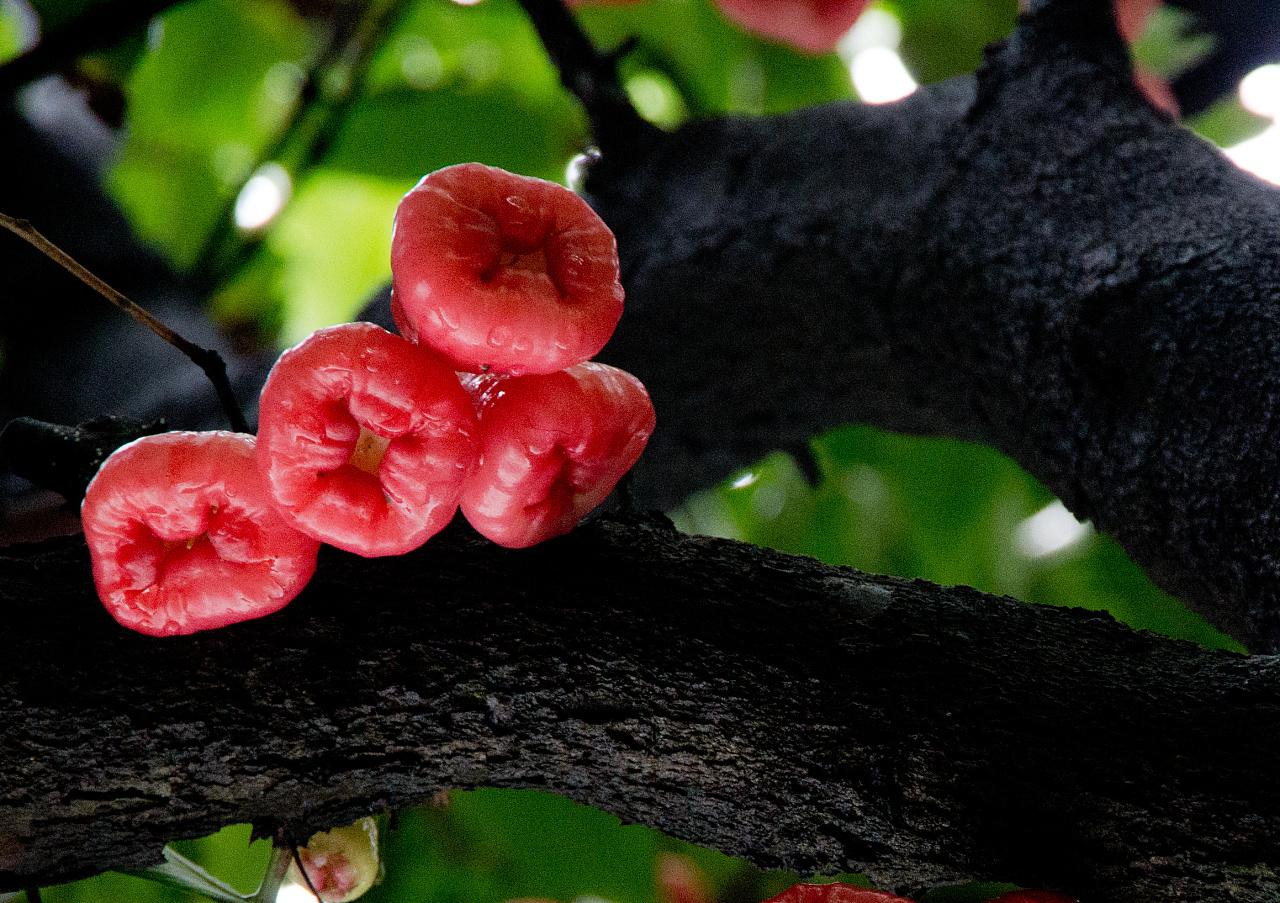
834	893
364	439
1033	896
503	273
552	448
814	26
184	538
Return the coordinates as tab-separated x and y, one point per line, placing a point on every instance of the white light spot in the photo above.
575	174
866	488
420	63
1260	91
655	98
880	76
745	480
466	2
294	893
262	197
1259	155
1051	529
874	28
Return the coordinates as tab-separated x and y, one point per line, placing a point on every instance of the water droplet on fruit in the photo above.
499	336
522	344
447	318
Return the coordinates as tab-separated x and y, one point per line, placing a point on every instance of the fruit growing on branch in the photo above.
503	273
341	864
552	447
183	536
364	439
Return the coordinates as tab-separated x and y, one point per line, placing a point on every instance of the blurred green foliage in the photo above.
354	116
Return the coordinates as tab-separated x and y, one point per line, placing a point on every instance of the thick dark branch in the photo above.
1036	260
770	706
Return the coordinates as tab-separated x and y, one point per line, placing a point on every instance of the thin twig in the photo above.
206	359
101	25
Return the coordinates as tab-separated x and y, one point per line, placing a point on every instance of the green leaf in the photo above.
180	873
716	66
1227	123
213	87
333	247
403	135
10	31
944	38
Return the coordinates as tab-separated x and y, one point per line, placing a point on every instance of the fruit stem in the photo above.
208	360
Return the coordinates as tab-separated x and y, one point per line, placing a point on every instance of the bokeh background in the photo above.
260	147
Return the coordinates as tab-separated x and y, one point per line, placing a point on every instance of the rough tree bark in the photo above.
822	720
1032	259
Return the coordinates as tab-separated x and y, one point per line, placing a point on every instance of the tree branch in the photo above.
1034	259
775	708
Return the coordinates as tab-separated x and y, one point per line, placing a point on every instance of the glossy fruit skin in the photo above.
353	388
552	448
834	893
1033	896
184	538
503	273
814	26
